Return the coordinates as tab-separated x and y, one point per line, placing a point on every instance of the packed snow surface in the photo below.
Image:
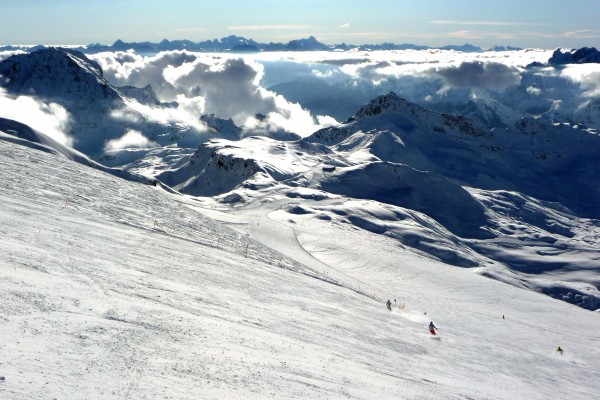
113	289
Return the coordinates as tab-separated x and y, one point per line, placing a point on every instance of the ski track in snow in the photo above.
117	290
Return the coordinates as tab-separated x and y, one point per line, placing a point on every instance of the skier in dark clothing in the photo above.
432	328
559	350
389	305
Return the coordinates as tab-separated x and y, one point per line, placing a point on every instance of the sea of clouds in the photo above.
200	83
305	91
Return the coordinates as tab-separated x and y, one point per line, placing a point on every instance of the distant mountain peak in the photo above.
145	95
392	112
226	128
583	55
387	102
311	43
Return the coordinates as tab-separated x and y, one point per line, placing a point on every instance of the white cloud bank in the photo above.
46	117
242	87
586	75
476	74
131	139
200	83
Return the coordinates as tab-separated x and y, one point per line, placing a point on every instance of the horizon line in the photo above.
466	43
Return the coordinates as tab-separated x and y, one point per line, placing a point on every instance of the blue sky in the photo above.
524	23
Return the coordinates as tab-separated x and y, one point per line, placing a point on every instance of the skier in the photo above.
432	328
559	350
389	305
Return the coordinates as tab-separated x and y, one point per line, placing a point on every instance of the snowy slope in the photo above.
514	198
13	131
115	290
588	113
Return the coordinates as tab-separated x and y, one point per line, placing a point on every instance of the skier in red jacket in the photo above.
432	328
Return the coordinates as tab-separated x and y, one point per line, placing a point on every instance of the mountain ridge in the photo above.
233	43
99	111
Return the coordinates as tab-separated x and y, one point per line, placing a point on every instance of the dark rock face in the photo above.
584	55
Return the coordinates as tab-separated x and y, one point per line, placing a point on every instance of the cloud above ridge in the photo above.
586	75
476	74
131	139
228	87
49	118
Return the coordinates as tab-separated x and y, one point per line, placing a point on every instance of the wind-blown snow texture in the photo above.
114	289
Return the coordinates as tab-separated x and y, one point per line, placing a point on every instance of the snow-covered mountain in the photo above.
460	193
583	55
226	128
219	165
143	95
113	289
588	113
68	78
99	111
548	160
489	112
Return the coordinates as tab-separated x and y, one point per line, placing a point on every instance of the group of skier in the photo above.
432	327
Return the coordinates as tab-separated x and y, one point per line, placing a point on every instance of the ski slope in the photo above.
118	290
